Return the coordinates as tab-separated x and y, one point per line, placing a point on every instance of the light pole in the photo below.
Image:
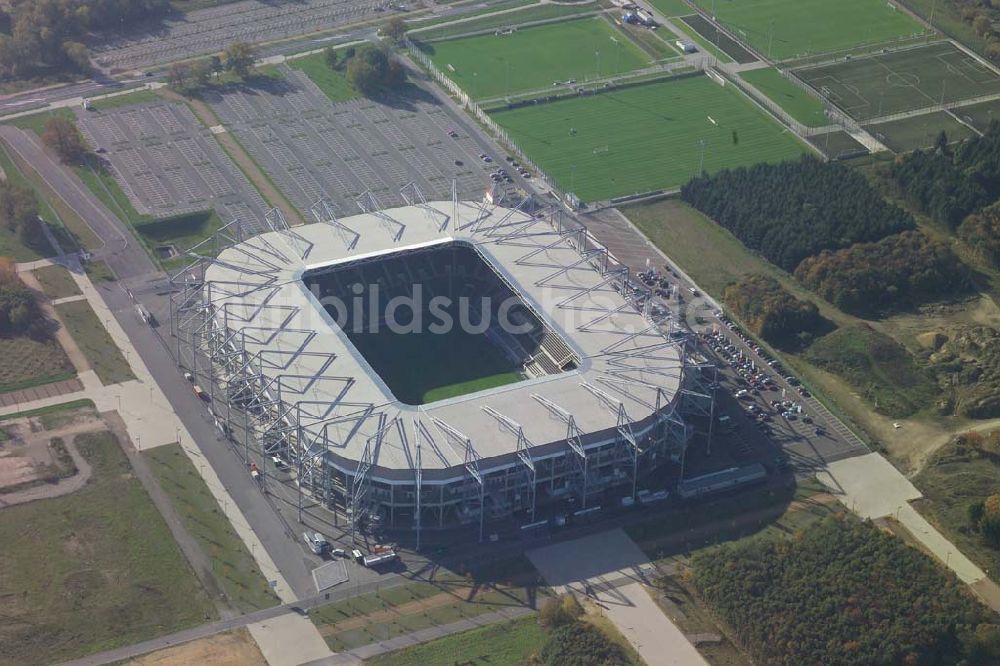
701	165
770	39
598	54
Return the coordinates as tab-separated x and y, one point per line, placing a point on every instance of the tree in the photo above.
178	74
215	64
62	136
394	29
372	70
982	25
78	55
330	57
239	58
560	611
201	72
362	75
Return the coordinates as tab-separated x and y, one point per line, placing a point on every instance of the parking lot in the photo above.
797	431
168	163
313	148
209	30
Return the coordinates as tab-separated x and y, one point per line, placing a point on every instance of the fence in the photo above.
501	134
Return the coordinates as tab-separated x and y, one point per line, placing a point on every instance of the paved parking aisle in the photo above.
168	163
313	148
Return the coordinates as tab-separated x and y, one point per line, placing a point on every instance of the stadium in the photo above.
554	392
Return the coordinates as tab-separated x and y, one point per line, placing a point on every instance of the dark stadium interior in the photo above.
456	326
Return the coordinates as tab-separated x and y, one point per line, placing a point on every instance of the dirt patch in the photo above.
38	458
236	648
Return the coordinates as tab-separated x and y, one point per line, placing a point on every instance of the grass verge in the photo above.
503	643
445	598
331	81
233	565
56	281
94	341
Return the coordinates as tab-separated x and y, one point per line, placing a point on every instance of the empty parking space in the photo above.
167	163
313	148
208	30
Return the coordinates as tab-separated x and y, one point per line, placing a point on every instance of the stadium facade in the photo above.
604	392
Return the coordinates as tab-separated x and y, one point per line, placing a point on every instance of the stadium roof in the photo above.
626	363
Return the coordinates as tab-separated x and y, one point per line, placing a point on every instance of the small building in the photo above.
685	46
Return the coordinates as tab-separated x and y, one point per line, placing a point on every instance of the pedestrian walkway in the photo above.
148	417
590	566
872	488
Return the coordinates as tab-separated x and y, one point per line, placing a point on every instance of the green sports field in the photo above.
425	367
904	80
647	137
534	58
797	102
784	29
920	131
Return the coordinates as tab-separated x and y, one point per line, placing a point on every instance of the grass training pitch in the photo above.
783	29
921	131
646	138
900	81
489	66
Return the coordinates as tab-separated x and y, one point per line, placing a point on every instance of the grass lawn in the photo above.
878	367
536	12
232	563
330	81
25	362
430	20
53	413
711	255
423	368
99	271
894	82
182	231
56	281
797	102
416	605
644	138
533	58
503	643
63	221
10	243
786	29
952	480
35	122
670	8
94	341
102	183
82	575
137	97
921	131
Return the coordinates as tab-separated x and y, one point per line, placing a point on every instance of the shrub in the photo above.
581	644
771	312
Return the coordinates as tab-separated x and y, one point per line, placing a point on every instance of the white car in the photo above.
279	463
